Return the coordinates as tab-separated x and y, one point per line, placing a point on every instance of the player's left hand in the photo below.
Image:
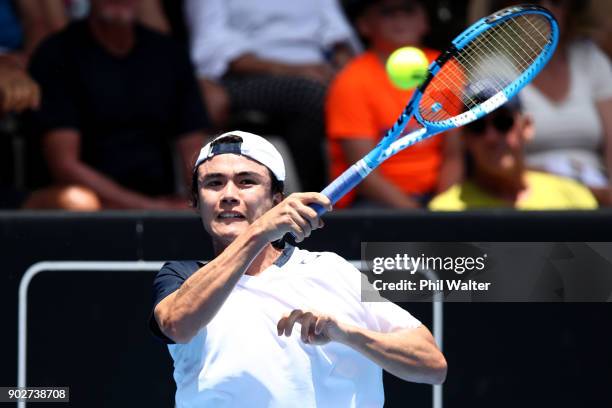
317	328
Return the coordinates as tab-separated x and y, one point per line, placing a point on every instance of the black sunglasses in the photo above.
501	122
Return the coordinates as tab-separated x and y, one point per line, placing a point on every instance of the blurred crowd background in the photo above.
104	104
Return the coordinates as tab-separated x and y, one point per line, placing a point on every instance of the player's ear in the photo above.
277	198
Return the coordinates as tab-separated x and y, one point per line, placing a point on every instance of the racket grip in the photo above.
339	187
343	184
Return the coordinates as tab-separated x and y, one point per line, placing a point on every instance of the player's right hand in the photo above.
293	215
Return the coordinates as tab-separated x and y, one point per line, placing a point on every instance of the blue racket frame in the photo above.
389	145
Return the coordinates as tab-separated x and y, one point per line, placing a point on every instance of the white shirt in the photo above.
287	31
239	360
569	134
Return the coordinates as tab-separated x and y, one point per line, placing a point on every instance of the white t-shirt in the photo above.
238	359
287	31
569	134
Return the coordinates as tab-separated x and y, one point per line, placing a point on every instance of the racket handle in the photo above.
343	184
339	187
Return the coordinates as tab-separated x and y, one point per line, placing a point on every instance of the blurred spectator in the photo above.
19	92
275	57
496	175
23	27
116	97
363	103
571	103
23	24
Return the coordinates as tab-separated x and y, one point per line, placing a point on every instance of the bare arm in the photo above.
62	152
217	101
34	24
251	64
410	354
183	313
375	186
55	14
40	18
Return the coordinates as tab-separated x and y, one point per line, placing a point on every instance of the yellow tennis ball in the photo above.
407	67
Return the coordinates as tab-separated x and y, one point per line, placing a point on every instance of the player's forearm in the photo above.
201	296
183	313
408	354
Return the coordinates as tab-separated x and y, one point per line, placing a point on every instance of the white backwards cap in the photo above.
245	144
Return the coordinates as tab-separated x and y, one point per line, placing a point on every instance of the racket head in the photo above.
505	51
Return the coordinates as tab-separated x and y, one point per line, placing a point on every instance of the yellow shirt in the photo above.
544	192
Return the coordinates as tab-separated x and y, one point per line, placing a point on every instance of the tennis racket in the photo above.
505	51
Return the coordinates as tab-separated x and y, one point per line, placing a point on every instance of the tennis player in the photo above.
271	325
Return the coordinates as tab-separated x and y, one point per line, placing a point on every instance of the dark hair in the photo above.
277	186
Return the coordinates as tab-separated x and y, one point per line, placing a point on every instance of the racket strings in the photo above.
501	67
502	74
524	35
487	47
492	62
507	47
504	37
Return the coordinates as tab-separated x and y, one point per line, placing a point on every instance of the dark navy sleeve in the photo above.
169	278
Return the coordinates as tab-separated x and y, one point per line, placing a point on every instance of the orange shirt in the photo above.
362	103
